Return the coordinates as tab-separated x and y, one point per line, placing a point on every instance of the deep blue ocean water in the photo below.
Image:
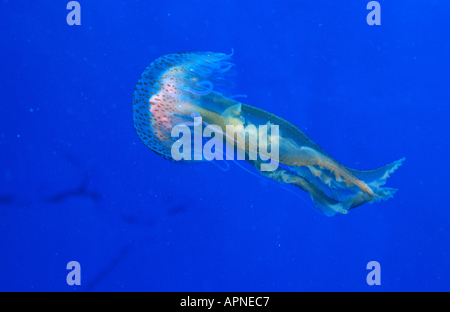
77	184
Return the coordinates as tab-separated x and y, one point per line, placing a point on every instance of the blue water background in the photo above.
76	183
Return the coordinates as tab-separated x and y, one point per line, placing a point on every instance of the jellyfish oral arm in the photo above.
212	149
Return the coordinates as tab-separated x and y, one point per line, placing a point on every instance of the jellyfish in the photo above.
192	90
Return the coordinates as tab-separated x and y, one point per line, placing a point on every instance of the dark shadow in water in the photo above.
176	209
80	191
132	220
173	206
6	199
109	268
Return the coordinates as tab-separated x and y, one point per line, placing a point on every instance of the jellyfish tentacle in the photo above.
225	56
225	69
238	95
207	84
227	165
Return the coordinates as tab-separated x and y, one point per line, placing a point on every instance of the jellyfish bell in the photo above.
189	89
